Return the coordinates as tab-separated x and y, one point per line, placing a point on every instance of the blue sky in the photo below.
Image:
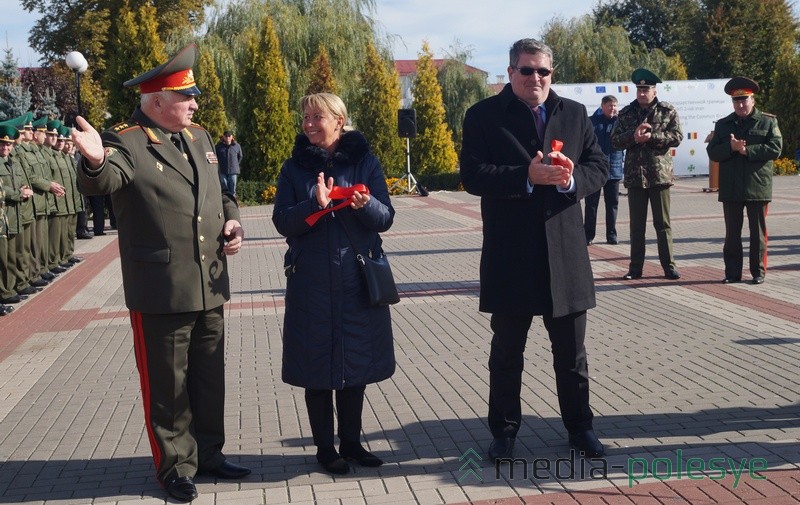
481	26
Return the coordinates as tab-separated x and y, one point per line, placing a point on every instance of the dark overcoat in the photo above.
332	338
746	178
170	215
534	255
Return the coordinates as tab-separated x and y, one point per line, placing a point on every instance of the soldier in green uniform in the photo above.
73	196
49	168
745	143
7	136
37	171
59	225
648	129
176	227
19	213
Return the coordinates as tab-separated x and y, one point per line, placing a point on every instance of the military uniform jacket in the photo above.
649	164
3	219
61	207
746	178
38	170
170	215
19	211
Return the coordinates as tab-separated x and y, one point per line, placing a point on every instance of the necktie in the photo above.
176	140
537	119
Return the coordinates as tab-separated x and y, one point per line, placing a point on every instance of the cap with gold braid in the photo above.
741	86
40	124
53	126
174	75
8	134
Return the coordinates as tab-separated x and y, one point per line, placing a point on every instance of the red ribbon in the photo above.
337	193
556	145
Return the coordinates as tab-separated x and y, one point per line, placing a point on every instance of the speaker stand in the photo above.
408	179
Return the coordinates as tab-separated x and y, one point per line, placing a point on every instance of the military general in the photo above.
745	143
648	129
176	227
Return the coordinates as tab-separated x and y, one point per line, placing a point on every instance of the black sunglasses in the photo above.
528	71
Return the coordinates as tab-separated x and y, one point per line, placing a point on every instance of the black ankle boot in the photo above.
331	461
354	450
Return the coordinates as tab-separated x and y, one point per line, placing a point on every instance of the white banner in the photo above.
699	105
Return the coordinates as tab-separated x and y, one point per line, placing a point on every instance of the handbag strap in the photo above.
359	256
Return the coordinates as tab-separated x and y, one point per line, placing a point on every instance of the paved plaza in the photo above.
689	377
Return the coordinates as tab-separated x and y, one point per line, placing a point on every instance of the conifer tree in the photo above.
211	106
48	105
128	59
432	151
376	112
321	78
267	130
15	98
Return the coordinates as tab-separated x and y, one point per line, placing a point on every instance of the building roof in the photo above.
409	67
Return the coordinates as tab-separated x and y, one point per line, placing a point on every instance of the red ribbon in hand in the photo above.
337	193
556	145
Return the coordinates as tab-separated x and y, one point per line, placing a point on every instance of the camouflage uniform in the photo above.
648	175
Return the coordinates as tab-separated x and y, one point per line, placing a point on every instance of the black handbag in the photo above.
377	275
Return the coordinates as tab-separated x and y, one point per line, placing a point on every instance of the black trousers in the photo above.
506	363
732	251
181	365
349	404
592	203
99	205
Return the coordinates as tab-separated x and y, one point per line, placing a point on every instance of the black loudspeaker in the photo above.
407	123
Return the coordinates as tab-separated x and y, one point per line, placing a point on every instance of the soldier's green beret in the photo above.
41	123
742	86
53	126
174	75
644	77
8	134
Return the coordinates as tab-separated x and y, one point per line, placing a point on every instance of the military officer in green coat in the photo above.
745	143
176	227
7	136
648	129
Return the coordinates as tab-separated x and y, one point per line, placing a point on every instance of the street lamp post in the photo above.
78	64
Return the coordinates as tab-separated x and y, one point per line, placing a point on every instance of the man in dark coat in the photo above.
229	154
745	143
534	259
175	228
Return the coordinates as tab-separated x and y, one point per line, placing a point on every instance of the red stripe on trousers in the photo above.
140	349
766	237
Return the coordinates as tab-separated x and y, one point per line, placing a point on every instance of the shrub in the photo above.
784	166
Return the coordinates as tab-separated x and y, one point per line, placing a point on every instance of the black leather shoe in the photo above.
332	462
590	242
361	456
586	442
39	283
632	274
99	233
30	290
48	276
58	270
502	447
612	241
12	299
66	264
731	280
758	280
182	489
75	259
83	236
228	470
5	310
672	274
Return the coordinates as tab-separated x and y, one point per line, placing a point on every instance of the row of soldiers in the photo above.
40	206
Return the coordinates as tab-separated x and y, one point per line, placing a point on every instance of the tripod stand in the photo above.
411	182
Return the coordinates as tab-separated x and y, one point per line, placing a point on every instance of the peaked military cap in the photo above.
644	77
27	121
8	133
41	123
20	122
53	126
742	86
64	132
174	75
